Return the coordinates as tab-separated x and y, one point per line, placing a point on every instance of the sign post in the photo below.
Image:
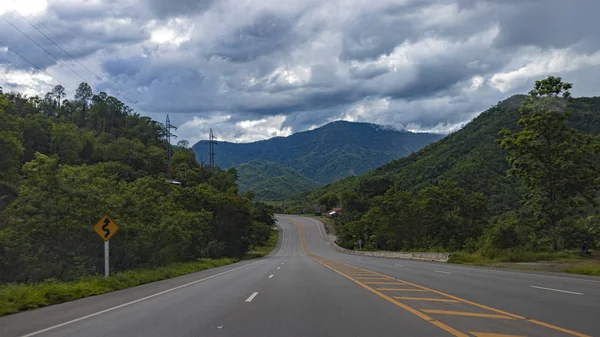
106	259
106	229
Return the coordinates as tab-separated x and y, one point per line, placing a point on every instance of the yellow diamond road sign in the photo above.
105	228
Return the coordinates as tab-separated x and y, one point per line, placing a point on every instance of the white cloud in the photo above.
539	63
241	131
25	7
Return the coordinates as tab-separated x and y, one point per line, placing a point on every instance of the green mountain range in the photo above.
308	159
469	157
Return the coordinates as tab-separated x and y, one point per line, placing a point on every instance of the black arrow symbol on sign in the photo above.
105	229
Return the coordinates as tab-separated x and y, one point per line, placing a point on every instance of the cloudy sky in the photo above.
253	69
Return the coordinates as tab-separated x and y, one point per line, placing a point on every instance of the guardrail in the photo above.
425	256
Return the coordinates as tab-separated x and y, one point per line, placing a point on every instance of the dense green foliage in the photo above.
455	194
64	164
273	181
557	163
334	151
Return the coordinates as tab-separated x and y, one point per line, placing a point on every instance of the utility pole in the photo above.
168	135
212	141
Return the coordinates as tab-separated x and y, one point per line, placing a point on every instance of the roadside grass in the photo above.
513	256
264	249
21	297
584	269
566	262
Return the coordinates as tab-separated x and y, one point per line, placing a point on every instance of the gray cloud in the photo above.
259	68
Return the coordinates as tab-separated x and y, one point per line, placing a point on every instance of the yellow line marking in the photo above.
402	289
441	325
376	282
547	325
428	299
485	334
464	313
372	278
415	312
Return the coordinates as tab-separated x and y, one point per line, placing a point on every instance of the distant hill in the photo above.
273	181
469	156
331	152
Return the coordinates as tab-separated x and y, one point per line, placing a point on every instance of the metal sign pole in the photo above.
106	258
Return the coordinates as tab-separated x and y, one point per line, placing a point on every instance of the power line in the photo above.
33	64
74	59
44	49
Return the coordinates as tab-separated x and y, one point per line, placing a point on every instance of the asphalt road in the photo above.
306	288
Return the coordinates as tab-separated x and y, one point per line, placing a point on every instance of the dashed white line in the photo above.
443	272
271	276
249	299
278	268
398	265
557	290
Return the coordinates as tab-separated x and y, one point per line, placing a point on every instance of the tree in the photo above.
59	93
554	161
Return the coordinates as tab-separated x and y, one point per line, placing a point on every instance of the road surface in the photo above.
306	288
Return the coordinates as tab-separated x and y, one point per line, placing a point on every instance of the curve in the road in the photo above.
454	309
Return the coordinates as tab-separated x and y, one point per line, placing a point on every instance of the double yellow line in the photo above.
329	263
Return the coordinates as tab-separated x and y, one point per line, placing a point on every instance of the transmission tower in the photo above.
212	141
168	135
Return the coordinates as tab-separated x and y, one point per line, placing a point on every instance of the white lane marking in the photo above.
558	290
319	229
443	272
278	268
271	276
398	265
249	299
282	240
135	301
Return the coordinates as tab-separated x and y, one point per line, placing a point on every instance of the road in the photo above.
306	288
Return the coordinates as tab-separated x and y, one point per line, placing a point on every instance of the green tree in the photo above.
554	161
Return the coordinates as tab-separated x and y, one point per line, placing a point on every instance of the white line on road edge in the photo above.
271	276
282	240
560	291
252	297
135	301
443	272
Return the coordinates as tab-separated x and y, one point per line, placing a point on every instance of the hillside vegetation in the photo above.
66	163
334	151
455	194
273	181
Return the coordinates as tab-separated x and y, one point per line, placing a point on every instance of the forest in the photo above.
64	163
522	176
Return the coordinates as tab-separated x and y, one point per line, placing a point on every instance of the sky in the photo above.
253	69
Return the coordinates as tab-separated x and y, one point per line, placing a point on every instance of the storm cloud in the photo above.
257	69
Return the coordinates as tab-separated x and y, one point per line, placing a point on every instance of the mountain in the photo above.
273	181
331	152
469	156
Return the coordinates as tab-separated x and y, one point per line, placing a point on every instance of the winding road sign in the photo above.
105	228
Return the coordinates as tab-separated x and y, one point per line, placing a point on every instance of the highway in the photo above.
306	288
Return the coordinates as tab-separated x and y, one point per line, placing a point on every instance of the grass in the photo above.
513	256
21	297
264	249
584	269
